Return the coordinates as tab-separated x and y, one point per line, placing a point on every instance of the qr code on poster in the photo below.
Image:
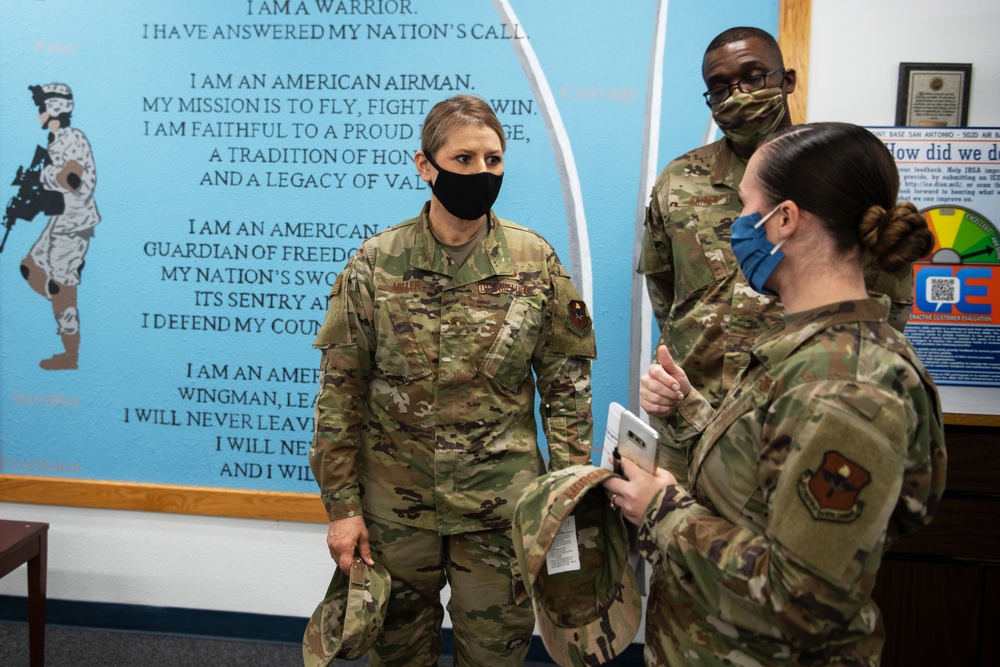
943	290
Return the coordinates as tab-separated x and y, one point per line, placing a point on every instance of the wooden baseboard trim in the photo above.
205	501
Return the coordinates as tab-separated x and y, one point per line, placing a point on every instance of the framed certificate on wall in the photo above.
933	94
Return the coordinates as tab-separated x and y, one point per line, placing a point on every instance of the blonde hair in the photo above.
454	112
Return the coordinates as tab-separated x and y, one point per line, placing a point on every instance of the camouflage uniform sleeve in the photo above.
75	147
692	416
830	474
561	361
926	469
347	343
655	261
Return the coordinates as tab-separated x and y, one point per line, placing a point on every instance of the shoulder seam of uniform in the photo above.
513	226
681	158
368	245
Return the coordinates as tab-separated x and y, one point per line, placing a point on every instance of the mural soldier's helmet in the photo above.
55	98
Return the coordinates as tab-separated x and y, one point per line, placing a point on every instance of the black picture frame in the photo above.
944	80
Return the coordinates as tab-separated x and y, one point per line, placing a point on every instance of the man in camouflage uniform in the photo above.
768	556
52	267
425	422
708	315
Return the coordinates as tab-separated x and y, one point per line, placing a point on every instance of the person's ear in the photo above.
423	165
789	80
789	217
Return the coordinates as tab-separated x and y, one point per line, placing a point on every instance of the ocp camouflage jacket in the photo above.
829	444
709	316
425	414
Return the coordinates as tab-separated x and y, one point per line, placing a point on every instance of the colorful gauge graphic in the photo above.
961	236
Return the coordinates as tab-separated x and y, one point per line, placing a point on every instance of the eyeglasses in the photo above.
751	84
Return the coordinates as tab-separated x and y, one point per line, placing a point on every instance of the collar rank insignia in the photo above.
578	319
831	493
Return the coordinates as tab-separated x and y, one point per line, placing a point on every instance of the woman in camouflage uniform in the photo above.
437	332
829	444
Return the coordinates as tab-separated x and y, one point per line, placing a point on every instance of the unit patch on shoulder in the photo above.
831	493
578	319
336	284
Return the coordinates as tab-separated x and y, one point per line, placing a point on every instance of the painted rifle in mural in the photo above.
31	198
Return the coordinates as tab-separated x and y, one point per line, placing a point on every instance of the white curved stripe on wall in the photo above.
579	243
640	338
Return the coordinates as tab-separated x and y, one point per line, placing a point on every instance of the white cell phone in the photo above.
637	441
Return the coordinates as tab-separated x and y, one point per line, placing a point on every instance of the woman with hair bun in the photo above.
828	446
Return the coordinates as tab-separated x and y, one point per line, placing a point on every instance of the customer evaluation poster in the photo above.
243	149
953	176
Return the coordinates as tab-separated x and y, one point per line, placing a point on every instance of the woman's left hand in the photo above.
633	495
663	386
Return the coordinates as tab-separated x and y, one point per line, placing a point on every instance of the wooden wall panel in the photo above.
930	612
794	30
305	507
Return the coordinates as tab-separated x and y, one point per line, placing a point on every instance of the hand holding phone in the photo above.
637	441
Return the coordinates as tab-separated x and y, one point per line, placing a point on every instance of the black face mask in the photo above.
466	196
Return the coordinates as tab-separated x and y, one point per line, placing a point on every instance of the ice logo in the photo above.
944	289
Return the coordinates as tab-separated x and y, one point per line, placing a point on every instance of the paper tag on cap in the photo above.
564	554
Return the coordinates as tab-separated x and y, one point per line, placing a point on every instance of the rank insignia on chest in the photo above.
831	492
578	319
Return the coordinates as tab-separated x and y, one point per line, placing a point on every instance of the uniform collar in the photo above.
782	341
491	258
726	168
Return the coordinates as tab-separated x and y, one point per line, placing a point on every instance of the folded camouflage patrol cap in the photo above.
588	608
347	621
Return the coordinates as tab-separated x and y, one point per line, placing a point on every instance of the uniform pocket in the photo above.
707	256
399	355
508	360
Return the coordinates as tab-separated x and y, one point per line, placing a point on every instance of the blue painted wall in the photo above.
160	166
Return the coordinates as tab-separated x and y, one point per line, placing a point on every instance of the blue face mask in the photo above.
757	256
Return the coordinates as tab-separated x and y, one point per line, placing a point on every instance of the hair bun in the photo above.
896	237
870	227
